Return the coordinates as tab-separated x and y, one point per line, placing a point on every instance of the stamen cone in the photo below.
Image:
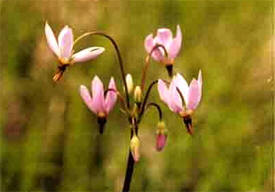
101	120
59	73
169	68
188	123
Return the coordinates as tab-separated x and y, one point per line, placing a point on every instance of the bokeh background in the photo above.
50	140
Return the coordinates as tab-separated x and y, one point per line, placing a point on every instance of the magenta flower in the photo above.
164	37
179	90
98	103
161	136
161	141
63	49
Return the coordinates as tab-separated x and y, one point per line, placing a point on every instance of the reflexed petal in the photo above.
149	43
87	54
194	95
98	95
65	42
51	40
163	91
175	45
111	96
164	37
183	86
85	94
158	54
175	102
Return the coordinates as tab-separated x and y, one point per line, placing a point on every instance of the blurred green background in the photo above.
50	140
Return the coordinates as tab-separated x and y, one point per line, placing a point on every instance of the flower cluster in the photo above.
181	98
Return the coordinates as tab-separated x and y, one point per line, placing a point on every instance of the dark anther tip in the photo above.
188	123
101	122
169	68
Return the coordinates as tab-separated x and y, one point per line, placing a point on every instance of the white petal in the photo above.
87	54
65	42
51	40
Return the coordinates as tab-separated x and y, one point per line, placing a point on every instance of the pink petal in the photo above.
51	40
65	42
164	37
98	95
149	44
182	85
87	54
194	95
175	102
160	141
84	93
111	96
175	45
163	91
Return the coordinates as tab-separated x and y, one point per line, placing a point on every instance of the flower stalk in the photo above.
162	48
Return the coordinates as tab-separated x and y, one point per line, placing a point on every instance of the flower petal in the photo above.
175	45
85	94
51	40
98	95
87	54
111	96
175	102
164	37
194	95
149	44
200	79
182	85
163	91
65	42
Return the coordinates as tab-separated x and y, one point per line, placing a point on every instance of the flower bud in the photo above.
134	146
161	136
129	83
138	94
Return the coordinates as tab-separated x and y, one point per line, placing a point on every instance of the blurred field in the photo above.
50	140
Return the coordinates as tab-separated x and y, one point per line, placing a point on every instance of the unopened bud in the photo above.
129	83
138	94
134	146
161	136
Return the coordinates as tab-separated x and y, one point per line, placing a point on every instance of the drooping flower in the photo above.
172	45
63	49
98	103
179	92
161	136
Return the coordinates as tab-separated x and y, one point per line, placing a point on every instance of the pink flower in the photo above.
98	103
179	90
161	136
63	49
164	37
161	141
